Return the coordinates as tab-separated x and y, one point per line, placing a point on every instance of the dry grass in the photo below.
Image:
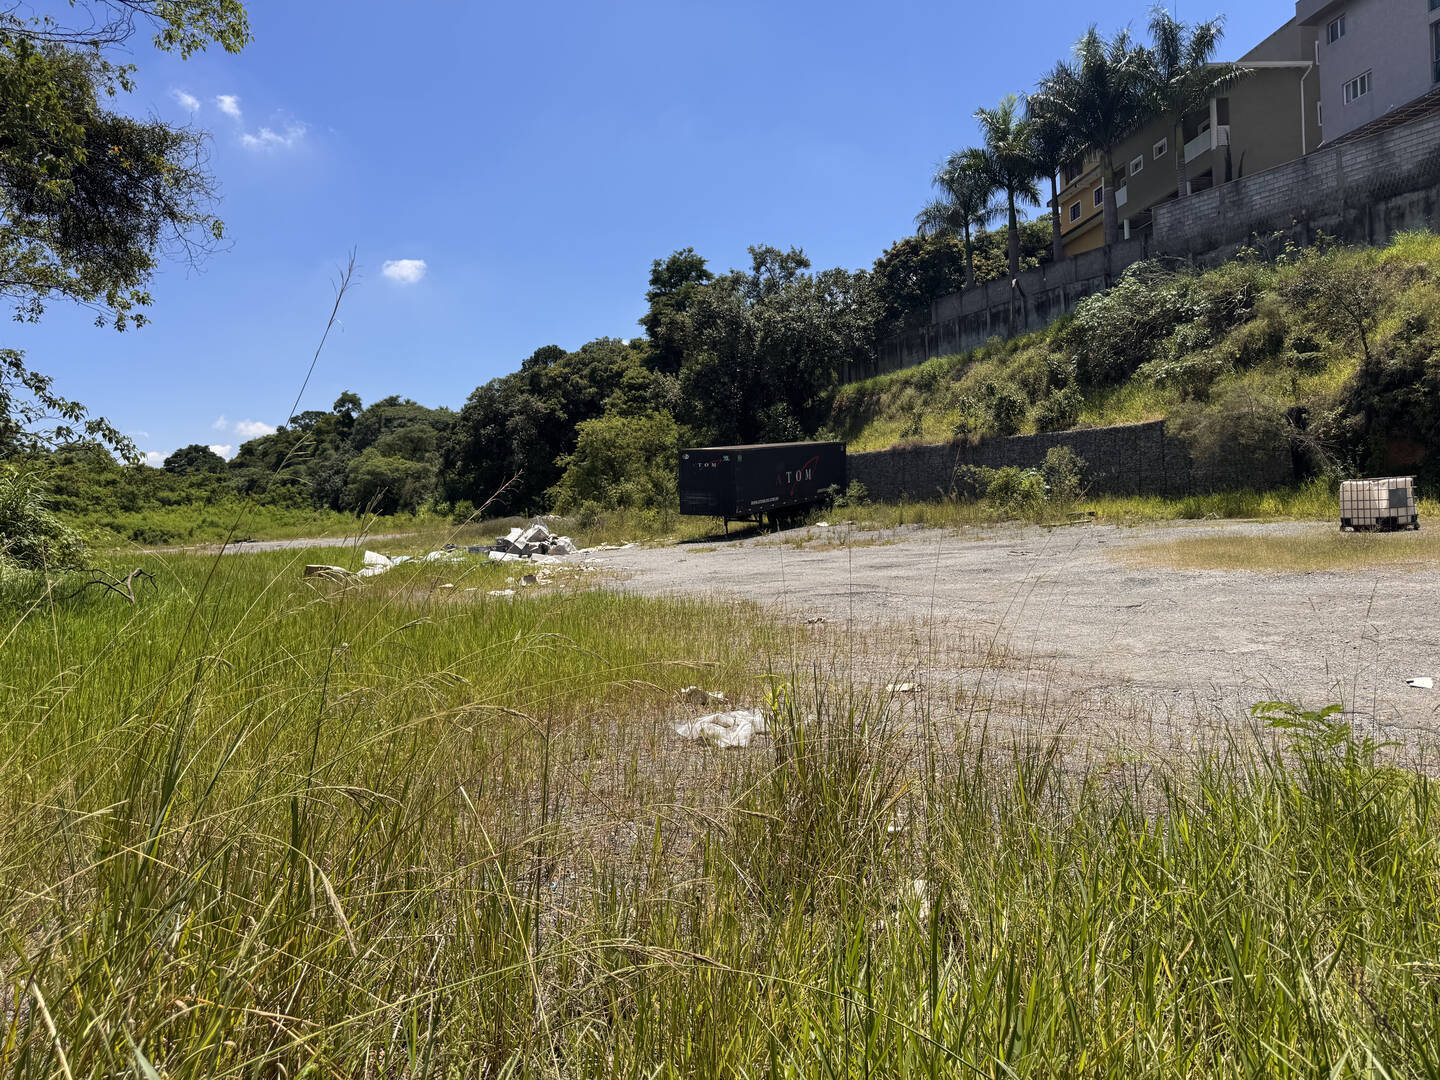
1319	548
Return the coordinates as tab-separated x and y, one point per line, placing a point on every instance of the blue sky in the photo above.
536	159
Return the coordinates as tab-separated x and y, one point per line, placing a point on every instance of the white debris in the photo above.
902	688
375	563
1421	682
920	890
504	556
822	524
696	696
725	730
534	541
501	592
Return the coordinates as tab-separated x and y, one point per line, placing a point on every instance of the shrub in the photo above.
1016	490
31	536
1064	474
620	462
1116	331
1228	437
1059	411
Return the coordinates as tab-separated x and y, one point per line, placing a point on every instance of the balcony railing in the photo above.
1199	145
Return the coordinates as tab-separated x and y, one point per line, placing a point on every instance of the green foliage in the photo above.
32	537
914	271
192	459
619	463
1064	475
1229	434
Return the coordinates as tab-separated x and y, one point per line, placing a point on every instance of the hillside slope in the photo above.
1340	348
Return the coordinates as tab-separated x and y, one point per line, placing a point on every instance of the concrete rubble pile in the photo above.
535	543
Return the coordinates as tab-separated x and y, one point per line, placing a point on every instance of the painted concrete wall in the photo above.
1388	38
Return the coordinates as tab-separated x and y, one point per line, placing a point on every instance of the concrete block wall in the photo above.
1131	459
966	320
1361	192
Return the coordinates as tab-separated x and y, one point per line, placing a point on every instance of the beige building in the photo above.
1267	119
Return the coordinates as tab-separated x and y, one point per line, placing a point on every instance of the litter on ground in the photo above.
533	541
902	688
725	730
697	696
1421	682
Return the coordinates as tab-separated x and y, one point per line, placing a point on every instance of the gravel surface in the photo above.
1077	625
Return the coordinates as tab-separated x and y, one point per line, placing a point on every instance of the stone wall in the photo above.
1132	459
1362	192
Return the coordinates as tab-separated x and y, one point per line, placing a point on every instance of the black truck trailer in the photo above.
743	482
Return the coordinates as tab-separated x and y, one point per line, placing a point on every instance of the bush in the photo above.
1233	434
1016	490
1116	331
1059	411
31	536
1064	475
619	463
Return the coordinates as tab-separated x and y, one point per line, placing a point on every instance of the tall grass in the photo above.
255	827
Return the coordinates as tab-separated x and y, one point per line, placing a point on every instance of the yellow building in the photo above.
1269	118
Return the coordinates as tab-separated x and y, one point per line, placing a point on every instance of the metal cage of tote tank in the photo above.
1379	503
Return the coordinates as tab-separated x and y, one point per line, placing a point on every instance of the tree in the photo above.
1052	145
1181	76
1099	96
673	285
914	271
194	458
1010	161
90	199
964	205
621	462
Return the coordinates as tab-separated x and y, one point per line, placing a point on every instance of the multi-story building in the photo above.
1373	56
1267	119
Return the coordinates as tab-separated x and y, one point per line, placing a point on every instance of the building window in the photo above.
1160	149
1357	87
1075	211
1336	30
1435	46
1139	163
1320	111
1100	195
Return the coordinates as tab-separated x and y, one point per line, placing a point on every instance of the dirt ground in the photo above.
1058	625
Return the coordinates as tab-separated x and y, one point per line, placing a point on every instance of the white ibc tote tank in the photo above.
1379	503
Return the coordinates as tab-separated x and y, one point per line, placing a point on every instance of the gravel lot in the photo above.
1082	633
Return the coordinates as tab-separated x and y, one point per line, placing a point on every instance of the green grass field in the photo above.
256	826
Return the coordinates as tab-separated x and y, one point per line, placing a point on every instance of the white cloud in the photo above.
188	102
220	423
156	458
229	104
270	139
252	429
225	450
405	271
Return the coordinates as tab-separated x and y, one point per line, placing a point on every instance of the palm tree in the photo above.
1181	77
1054	144
1010	159
1099	96
964	204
